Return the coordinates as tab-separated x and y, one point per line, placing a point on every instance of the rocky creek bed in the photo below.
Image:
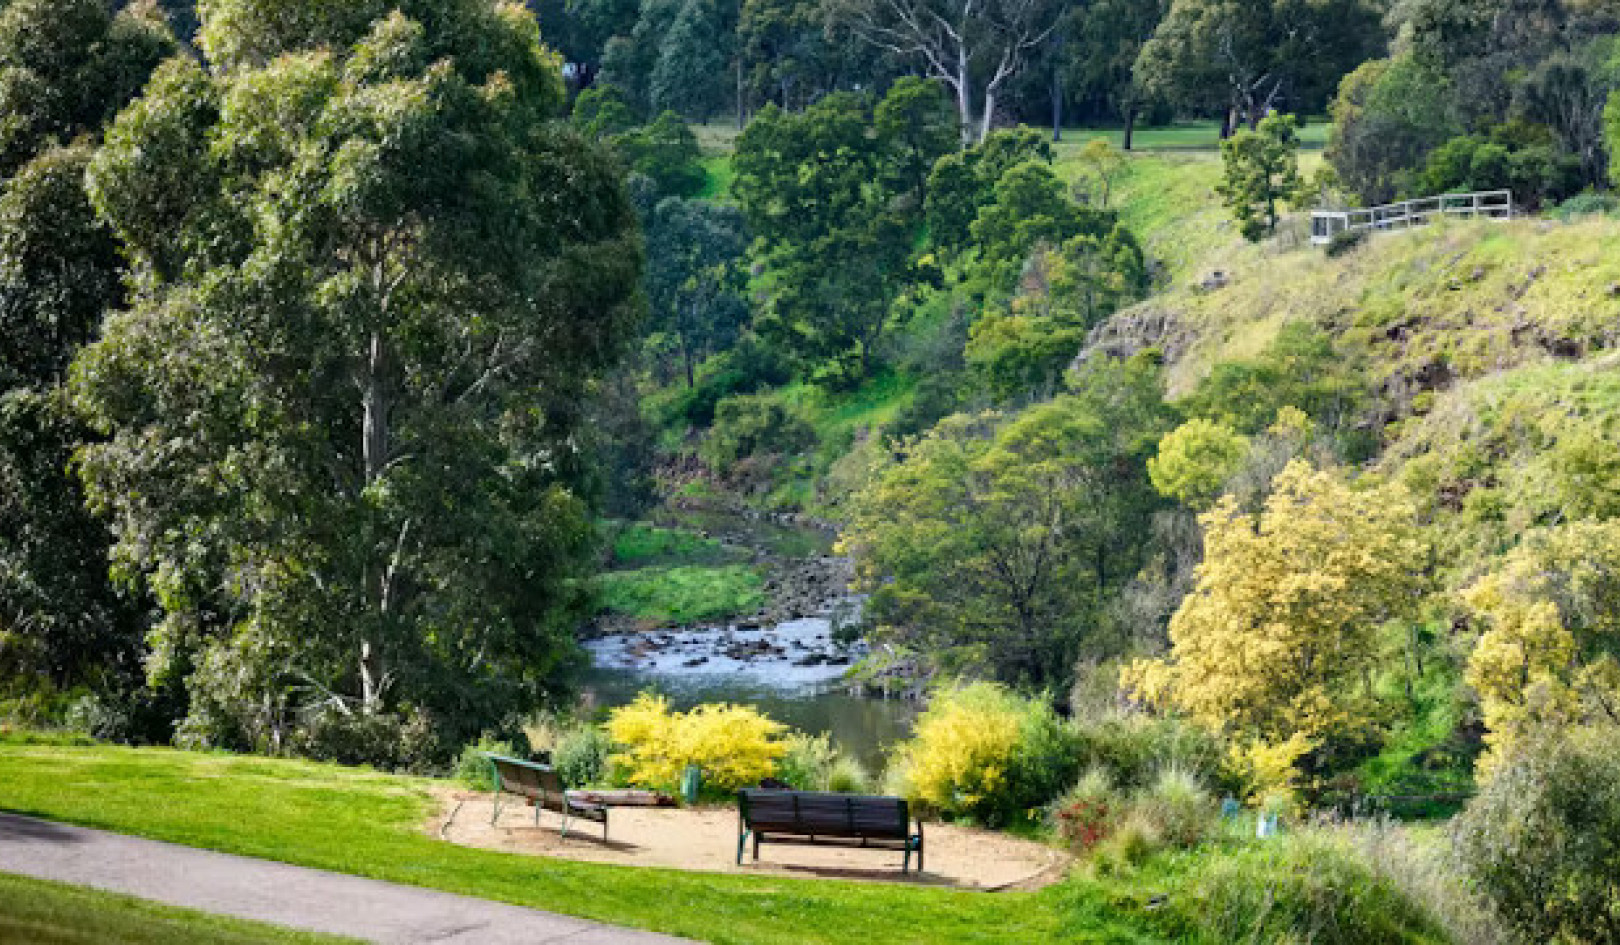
788	659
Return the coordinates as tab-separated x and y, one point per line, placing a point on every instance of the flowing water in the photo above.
792	672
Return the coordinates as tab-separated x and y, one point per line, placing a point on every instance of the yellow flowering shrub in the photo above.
1276	644
1272	768
982	750
735	746
1550	616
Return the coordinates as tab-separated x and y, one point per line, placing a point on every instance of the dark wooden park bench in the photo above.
543	789
808	817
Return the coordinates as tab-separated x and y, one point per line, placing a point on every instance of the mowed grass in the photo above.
35	912
370	824
1183	136
683	593
720	138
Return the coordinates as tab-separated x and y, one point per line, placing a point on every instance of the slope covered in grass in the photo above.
1426	308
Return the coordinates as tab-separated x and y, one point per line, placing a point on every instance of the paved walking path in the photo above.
333	903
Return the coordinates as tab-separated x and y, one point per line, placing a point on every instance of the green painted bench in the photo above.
543	789
808	817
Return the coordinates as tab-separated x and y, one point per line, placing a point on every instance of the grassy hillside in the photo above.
1165	193
1454	301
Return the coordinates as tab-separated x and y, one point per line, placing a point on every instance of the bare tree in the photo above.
974	46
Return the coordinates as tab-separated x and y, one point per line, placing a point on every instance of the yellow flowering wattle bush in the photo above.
735	746
986	752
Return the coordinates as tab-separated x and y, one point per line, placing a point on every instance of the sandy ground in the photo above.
705	839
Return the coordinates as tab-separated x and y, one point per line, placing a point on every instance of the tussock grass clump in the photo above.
1303	887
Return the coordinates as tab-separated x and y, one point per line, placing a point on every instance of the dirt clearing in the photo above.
705	840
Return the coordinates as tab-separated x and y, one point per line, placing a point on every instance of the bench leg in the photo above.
742	844
756	846
495	808
565	821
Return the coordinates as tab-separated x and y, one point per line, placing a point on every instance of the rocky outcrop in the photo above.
1134	330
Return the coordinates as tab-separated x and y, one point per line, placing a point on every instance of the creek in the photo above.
790	666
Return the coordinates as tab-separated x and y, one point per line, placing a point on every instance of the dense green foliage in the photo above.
373	351
1004	539
1543	839
1482	94
65	69
1262	172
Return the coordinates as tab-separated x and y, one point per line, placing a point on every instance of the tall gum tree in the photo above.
66	67
976	47
376	281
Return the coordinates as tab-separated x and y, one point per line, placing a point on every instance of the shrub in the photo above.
1588	204
472	768
581	756
1132	843
1089	812
351	738
1306	887
1417	862
1136	748
811	763
735	746
1344	241
848	776
806	761
984	752
136	715
1542	839
1180	809
746	426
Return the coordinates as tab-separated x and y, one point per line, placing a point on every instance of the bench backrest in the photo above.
826	815
525	777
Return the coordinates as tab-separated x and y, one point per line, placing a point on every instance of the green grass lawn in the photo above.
637	545
35	912
684	593
1184	136
719	138
369	824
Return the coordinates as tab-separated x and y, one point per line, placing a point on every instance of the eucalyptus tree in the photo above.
376	280
66	66
696	277
837	244
1252	56
975	47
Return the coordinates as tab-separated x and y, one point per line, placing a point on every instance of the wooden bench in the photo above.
542	788
808	817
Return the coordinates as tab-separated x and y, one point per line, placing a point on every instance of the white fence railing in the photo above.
1491	204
